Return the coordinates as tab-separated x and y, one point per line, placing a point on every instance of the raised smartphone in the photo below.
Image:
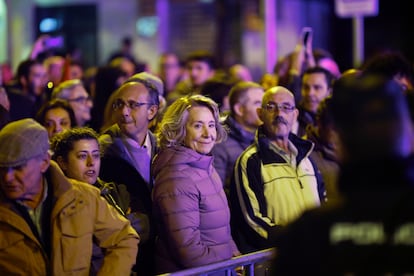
306	33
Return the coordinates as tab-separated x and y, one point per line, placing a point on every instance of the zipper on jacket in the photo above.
300	183
298	178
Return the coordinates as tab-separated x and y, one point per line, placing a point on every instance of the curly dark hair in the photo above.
62	143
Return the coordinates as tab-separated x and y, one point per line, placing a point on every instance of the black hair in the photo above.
389	63
54	104
217	89
23	69
204	56
317	69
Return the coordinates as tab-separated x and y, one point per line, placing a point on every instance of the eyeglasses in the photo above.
273	107
81	100
133	105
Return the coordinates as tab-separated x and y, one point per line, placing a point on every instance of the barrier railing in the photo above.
248	262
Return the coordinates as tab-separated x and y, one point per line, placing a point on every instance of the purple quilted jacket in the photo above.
191	211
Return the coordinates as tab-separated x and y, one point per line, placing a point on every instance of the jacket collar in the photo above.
304	147
59	182
112	144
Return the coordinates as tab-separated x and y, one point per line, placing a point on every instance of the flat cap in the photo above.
21	141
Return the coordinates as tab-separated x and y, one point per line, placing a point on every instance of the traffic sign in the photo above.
353	8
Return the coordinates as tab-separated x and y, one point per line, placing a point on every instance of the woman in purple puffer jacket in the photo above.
190	206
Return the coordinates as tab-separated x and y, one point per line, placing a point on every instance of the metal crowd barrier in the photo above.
247	261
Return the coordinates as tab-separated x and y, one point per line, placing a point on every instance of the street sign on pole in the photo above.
357	9
352	8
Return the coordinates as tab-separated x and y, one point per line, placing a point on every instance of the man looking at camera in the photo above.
274	180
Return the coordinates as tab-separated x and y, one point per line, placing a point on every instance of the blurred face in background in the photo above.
127	66
240	72
76	71
81	103
315	89
199	72
170	70
36	82
248	109
83	161
54	67
56	120
201	132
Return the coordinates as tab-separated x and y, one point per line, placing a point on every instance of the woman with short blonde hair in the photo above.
190	206
171	130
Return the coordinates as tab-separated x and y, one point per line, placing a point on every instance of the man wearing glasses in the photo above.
128	148
78	98
274	180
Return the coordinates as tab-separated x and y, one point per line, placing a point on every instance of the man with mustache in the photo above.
128	148
274	180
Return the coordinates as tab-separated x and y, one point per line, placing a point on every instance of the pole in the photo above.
358	31
270	34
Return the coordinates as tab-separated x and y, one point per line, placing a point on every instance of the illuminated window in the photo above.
147	26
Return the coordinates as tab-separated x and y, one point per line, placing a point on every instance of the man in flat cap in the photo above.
49	222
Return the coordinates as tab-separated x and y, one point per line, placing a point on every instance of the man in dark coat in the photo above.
128	148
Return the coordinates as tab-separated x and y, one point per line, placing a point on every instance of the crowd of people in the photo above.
121	170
